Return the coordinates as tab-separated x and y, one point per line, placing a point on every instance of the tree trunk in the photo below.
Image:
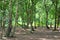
58	22
46	10
16	19
47	20
31	14
55	28
3	21
32	29
10	20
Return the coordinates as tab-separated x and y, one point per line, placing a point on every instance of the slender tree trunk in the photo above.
32	29
35	22
1	29
58	22
27	11
55	15
8	33
39	21
55	22
27	19
46	10
47	20
3	21
31	16
16	19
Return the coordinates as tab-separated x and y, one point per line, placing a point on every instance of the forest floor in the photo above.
38	34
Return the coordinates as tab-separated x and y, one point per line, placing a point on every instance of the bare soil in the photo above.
38	34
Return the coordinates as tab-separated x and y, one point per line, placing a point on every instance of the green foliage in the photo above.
31	10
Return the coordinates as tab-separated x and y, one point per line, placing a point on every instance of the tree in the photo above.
10	20
56	2
46	10
16	19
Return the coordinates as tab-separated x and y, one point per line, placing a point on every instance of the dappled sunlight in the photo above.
29	19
